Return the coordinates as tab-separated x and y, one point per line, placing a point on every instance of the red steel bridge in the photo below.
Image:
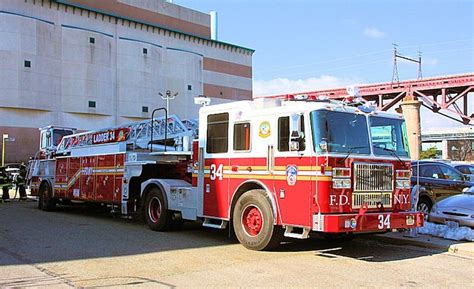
441	94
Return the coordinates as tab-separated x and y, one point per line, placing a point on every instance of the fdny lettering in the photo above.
104	137
340	200
401	199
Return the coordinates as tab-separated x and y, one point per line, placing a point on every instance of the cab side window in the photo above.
284	134
44	140
217	133
242	136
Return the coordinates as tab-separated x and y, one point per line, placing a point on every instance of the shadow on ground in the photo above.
31	236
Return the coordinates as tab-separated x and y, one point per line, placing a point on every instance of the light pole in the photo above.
5	138
168	96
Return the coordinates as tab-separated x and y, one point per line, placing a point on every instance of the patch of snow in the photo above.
451	231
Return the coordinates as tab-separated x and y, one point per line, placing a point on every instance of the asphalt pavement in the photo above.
84	247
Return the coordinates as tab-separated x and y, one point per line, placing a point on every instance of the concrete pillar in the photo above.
411	113
445	149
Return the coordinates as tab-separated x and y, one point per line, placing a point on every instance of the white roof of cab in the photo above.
271	106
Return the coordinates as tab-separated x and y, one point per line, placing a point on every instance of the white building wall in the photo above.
67	71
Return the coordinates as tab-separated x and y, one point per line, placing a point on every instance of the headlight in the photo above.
403	184
434	209
341	183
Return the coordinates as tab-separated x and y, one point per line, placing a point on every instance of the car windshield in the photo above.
343	132
388	136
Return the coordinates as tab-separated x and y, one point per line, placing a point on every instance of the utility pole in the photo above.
396	54
168	96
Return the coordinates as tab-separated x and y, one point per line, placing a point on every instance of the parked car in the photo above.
467	170
437	181
458	208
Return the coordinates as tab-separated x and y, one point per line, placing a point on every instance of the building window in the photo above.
242	136
217	133
92	104
190	87
27	63
144	108
91	40
145	51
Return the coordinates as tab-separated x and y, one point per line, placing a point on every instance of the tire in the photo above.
156	212
252	220
424	205
46	202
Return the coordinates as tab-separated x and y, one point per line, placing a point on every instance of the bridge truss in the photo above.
446	95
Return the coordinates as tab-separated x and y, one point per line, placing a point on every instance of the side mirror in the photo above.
296	132
323	145
294	146
295	126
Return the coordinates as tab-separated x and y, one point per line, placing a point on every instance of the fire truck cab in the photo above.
269	168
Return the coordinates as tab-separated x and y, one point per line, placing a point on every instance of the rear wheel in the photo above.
46	201
424	205
252	220
156	212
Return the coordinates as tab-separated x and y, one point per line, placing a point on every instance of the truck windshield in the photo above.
344	132
388	136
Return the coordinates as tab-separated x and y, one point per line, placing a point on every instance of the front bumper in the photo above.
368	222
444	218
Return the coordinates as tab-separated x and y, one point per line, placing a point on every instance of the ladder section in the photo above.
138	134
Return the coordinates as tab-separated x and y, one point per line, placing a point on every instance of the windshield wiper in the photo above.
393	153
349	153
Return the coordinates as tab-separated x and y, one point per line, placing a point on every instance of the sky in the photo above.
304	45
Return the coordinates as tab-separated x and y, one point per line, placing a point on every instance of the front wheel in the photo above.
46	201
157	215
252	220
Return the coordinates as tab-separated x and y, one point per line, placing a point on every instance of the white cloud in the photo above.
373	32
429	61
285	85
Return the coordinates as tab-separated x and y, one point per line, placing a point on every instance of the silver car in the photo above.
458	209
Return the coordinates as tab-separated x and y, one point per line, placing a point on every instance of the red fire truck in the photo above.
268	168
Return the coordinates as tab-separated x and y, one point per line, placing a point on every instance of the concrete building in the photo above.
91	64
456	144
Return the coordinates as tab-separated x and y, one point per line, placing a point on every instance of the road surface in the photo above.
78	247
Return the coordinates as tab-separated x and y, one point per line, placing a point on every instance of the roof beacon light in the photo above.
202	100
300	97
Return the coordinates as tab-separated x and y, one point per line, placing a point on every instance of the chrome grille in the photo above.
373	177
372	200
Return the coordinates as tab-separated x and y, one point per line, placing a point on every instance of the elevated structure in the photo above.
437	93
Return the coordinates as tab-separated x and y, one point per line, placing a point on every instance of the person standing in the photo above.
21	182
5	184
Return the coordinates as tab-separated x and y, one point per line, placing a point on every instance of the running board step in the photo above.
297	232
215	223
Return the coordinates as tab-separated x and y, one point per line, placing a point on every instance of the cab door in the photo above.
216	162
292	170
